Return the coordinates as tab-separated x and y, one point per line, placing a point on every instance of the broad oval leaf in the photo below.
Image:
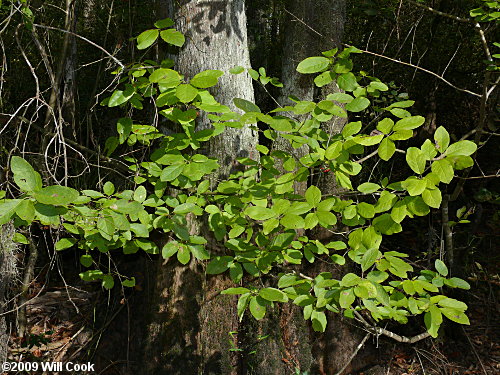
206	79
246	105
409	123
273	294
259	213
57	195
313	64
65	243
357	105
147	38
24	175
173	37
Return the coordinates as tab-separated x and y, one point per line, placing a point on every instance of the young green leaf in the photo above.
173	37
147	38
313	64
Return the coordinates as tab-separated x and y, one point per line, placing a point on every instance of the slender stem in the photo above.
393	60
448	234
438	12
353	354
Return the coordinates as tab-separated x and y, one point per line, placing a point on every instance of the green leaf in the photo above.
414	185
86	260
237	70
171	172
351	129
432	197
368	187
257	307
246	105
442	138
233	291
242	304
56	195
366	210
108	188
409	123
441	267
347	298
173	37
313	64
385	125
326	219
350	279
319	321
147	38
456	316
273	294
164	23
461	148
444	170
65	243
452	304
130	283
415	159
386	149
218	265
140	230
199	252
456	282
386	225
186	93
140	194
25	177
25	210
347	82
123	127
108	282
313	195
166	77
369	258
259	213
106	227
20	238
206	79
323	79
357	105
292	221
169	249
183	254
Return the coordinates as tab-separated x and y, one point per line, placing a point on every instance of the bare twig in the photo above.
382	331
353	354
393	60
118	62
438	12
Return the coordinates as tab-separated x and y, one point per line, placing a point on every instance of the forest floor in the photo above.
80	324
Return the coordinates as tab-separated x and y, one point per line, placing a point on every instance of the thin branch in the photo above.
353	354
85	39
391	59
382	331
438	12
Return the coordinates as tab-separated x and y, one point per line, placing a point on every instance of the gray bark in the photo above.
190	324
8	272
332	349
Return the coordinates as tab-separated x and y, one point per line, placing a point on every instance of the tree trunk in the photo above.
7	274
190	323
304	20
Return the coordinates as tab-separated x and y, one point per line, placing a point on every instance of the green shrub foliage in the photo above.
255	213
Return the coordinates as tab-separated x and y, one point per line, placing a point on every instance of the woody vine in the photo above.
254	214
